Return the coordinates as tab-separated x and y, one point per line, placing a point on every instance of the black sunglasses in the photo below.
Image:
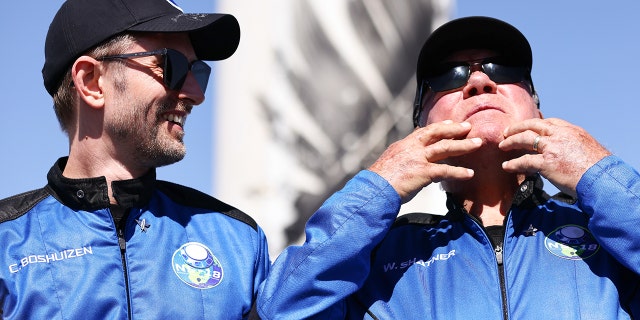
454	75
175	67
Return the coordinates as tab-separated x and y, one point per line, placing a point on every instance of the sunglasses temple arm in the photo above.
417	103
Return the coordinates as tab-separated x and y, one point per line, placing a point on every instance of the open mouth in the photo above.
174	118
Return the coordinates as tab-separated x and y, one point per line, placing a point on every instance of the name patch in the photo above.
391	266
50	258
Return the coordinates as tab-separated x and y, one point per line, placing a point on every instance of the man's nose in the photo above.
479	83
191	90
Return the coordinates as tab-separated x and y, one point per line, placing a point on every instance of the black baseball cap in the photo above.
473	33
80	25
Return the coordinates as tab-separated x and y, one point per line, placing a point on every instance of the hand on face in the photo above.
415	161
564	151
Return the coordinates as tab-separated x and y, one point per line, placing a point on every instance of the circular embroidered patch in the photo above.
196	266
571	242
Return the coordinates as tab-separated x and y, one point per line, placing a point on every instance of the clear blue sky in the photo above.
586	56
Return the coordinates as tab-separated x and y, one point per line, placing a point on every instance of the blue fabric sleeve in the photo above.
314	279
609	192
262	263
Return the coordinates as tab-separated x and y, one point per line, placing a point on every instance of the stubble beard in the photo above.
143	130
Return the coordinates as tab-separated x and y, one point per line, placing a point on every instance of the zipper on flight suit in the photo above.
503	288
498	251
120	227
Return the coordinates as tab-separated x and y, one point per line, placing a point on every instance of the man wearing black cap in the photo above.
104	239
505	249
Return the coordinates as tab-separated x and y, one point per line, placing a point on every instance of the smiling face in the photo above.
143	119
489	107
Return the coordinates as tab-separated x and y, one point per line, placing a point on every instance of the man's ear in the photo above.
86	74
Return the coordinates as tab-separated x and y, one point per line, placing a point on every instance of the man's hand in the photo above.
562	154
413	162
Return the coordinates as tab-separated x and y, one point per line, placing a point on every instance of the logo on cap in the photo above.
196	266
571	242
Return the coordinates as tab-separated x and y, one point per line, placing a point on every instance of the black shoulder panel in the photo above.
194	198
15	206
563	197
417	218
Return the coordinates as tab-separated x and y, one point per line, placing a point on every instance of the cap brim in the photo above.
213	36
473	33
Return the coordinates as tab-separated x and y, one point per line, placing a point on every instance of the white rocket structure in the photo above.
315	92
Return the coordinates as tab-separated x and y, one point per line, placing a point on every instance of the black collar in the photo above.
530	194
92	193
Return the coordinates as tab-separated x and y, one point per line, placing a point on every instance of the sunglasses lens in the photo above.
453	78
505	74
177	67
201	71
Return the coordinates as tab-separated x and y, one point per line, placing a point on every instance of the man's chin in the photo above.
166	162
488	134
169	157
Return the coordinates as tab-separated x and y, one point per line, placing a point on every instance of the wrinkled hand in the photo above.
564	151
413	162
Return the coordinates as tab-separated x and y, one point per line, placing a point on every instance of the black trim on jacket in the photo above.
91	194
